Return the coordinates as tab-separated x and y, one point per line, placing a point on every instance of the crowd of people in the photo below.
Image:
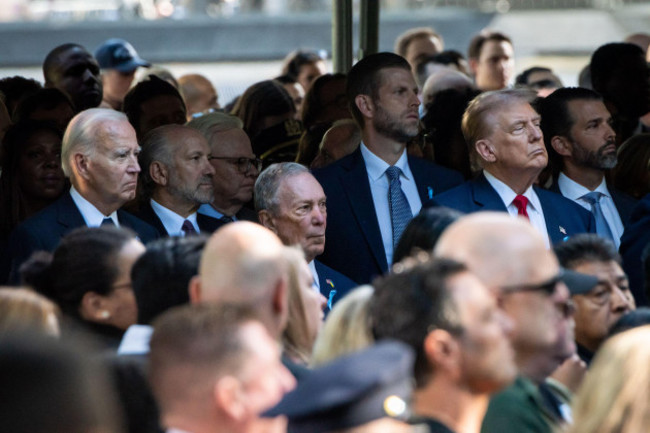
422	244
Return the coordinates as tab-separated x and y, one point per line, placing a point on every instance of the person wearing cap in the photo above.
367	391
597	307
118	61
460	337
510	257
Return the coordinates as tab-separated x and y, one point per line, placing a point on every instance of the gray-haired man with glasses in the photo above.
236	167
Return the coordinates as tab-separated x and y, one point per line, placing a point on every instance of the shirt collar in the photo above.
89	212
172	221
573	190
508	195
376	166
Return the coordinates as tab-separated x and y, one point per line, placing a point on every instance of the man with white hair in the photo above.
99	154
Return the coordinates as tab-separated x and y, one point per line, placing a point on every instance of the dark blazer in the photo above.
635	238
333	283
623	202
354	246
44	230
563	217
206	223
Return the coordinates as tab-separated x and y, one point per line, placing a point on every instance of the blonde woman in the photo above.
22	309
615	396
346	329
306	307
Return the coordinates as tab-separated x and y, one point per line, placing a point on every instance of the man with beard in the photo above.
176	180
581	145
375	191
75	72
503	133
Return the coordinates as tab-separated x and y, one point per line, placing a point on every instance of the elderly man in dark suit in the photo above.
291	203
99	154
176	180
504	137
375	191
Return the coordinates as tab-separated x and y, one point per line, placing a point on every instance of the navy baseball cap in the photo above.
119	54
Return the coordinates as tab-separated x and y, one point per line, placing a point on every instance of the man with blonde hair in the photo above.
504	137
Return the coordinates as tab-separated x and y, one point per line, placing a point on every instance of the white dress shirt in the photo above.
574	191
534	207
89	212
135	340
172	221
379	184
316	283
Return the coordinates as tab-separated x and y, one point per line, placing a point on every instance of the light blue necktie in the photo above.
602	227
400	211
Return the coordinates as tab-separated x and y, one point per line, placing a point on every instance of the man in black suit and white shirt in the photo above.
99	154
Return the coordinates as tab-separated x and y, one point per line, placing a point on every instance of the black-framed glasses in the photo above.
243	164
547	287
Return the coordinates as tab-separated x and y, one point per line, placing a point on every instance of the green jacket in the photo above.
519	408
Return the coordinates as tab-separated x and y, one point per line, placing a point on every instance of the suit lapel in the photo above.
425	191
554	228
485	196
208	224
68	215
357	187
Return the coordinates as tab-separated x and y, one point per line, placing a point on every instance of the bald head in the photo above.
500	250
244	263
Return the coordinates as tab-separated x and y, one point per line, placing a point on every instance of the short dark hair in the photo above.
522	79
410	302
16	89
47	99
404	40
145	90
477	42
297	59
160	277
52	59
586	247
556	118
365	78
607	59
85	261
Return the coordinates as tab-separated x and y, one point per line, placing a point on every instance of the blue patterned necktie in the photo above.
400	211
602	228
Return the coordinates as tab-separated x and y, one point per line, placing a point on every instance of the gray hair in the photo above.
213	123
268	182
156	146
84	131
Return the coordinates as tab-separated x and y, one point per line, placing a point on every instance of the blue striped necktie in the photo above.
400	211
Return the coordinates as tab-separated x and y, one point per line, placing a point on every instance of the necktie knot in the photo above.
592	197
108	222
393	173
188	228
226	219
521	203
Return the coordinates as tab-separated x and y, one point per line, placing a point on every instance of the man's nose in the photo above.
620	301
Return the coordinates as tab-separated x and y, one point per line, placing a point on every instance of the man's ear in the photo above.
81	166
267	220
562	146
159	173
365	105
94	308
281	301
473	64
229	397
485	150
443	351
194	289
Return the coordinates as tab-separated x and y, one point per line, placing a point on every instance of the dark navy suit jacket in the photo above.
354	246
635	238
563	217
206	223
623	202
44	230
333	285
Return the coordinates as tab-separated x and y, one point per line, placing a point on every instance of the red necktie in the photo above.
520	203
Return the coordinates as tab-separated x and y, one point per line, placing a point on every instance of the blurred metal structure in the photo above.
342	35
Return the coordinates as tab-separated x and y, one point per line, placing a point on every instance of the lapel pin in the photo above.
562	230
430	192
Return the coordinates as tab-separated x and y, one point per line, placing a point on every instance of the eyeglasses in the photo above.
243	164
547	287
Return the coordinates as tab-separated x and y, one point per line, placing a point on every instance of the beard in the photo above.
598	160
391	127
198	194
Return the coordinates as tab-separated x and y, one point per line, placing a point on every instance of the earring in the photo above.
104	314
